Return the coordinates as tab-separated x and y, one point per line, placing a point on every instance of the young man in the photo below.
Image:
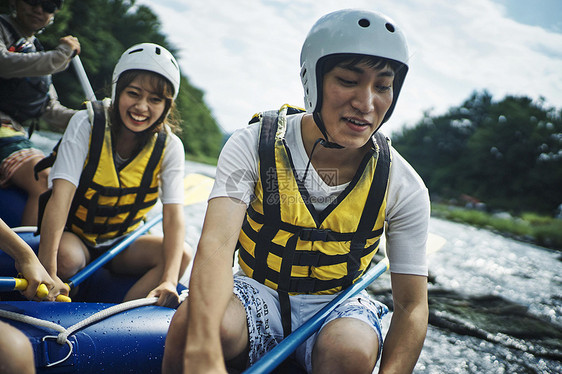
305	198
27	94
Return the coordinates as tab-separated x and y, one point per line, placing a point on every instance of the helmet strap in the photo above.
324	142
318	141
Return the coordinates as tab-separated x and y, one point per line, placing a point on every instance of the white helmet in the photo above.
151	57
351	31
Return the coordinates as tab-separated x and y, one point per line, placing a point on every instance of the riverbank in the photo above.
529	227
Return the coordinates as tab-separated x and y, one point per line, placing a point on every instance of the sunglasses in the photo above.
48	6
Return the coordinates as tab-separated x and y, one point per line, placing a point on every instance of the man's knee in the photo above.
345	345
234	335
175	341
234	330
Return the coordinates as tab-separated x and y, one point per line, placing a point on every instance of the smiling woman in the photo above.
140	104
143	102
114	161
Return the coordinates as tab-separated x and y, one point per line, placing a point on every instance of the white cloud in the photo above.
245	55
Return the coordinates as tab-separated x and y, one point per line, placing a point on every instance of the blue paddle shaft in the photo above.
7	284
110	254
284	349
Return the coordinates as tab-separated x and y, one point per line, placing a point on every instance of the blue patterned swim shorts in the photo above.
264	317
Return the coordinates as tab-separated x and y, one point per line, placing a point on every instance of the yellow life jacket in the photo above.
110	202
286	244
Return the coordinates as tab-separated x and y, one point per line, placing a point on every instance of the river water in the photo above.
495	303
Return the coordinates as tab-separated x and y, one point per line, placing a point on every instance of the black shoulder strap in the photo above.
96	144
268	175
146	180
97	137
272	218
371	211
46	162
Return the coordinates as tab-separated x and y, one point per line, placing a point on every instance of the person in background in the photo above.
16	354
27	94
305	198
116	158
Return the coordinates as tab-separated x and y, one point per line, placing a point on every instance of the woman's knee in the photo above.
72	256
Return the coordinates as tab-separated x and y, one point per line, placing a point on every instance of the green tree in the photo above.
105	29
506	153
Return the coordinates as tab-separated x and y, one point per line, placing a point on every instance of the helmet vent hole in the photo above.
389	27
158	51
363	22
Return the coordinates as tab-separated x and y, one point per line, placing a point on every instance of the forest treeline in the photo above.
506	154
105	29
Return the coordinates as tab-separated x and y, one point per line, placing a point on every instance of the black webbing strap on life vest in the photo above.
370	213
46	162
146	181
97	136
272	218
96	145
268	175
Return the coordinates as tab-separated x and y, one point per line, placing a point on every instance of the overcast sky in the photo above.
244	54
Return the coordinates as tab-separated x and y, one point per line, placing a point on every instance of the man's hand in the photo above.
72	42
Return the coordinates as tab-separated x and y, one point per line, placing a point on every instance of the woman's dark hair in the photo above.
162	87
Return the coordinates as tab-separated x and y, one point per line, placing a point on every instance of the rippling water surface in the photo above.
496	307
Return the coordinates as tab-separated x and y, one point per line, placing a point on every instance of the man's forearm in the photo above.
210	290
404	340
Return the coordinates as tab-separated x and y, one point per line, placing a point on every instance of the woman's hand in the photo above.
166	294
60	288
35	274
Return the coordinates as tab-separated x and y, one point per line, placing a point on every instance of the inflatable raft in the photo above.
12	202
64	340
89	337
95	332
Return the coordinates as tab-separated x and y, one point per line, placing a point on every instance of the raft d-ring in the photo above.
66	357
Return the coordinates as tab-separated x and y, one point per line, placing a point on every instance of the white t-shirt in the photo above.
407	209
73	152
